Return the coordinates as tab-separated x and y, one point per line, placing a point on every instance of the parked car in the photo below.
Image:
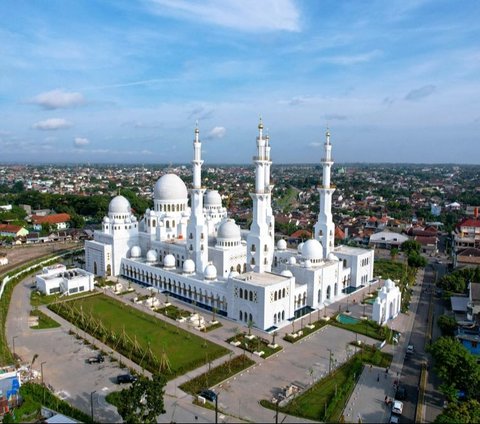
208	394
96	359
394	419
397	407
126	378
401	393
410	348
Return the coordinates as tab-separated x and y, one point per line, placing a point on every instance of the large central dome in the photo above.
170	187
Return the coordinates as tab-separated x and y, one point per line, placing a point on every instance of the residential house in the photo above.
58	221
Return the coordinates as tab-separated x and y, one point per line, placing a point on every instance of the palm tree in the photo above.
214	310
250	324
274	335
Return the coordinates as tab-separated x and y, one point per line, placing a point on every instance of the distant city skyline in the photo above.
125	81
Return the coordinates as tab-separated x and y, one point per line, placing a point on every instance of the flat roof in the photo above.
459	303
261	278
349	250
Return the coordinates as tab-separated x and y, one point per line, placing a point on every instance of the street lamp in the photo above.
43	385
13	347
41	369
91	404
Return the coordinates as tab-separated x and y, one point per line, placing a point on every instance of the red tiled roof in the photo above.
301	234
339	234
9	228
469	222
51	219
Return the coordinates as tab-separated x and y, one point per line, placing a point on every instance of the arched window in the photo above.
250	296
241	293
253	248
240	316
328	292
265	248
252	261
250	318
283	293
167	224
319	296
335	290
274	318
275	296
283	315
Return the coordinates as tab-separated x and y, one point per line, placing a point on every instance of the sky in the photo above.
124	81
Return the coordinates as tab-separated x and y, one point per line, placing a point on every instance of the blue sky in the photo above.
125	80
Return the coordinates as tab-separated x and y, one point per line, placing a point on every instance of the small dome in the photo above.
228	230
307	263
169	261
106	220
170	187
210	272
212	198
312	249
135	252
281	244
233	274
292	261
389	284
151	256
189	266
119	204
332	257
286	273
300	247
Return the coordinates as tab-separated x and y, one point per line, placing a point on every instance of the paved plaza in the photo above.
301	363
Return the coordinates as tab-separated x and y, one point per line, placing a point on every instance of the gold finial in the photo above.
260	123
196	127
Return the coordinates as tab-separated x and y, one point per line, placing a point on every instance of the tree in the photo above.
456	366
415	260
143	401
393	253
410	246
460	412
447	325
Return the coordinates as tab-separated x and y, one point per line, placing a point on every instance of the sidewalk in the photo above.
367	401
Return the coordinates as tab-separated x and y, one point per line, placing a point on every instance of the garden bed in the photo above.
305	331
254	345
44	321
217	375
143	338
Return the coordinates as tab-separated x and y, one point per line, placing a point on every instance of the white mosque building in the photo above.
197	254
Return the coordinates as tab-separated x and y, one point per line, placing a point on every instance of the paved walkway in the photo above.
367	401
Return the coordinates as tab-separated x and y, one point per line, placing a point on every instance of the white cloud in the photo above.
353	59
245	15
81	142
316	144
52	124
58	99
216	132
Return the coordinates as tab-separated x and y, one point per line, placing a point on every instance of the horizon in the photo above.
125	81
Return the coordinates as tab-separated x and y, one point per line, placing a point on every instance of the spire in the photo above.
260	128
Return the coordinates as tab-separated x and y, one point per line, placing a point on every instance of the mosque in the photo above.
198	255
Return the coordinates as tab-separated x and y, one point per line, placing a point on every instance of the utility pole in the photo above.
91	404
13	348
276	412
216	409
330	361
43	384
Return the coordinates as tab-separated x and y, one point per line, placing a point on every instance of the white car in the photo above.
394	419
397	407
410	348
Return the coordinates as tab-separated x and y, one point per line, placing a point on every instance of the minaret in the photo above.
197	234
325	228
260	239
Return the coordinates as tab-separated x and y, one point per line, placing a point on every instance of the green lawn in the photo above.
44	321
366	327
181	349
325	400
38	299
217	374
306	331
256	344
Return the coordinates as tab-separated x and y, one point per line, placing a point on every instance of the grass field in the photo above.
184	351
44	321
325	400
367	327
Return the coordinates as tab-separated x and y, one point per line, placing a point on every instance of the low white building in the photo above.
3	260
387	304
58	279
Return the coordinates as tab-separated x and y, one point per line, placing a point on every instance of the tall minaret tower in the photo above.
260	239
197	233
325	228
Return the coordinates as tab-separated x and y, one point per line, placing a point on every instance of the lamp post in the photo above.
13	347
330	361
216	409
91	404
43	384
41	370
